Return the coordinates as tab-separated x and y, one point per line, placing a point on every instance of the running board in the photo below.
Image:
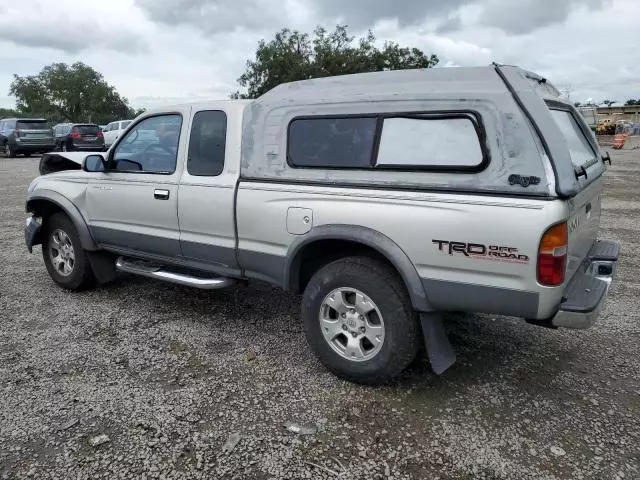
162	272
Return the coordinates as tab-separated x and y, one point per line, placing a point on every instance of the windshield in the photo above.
87	129
578	145
33	125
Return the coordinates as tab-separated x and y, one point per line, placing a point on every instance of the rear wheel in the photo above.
359	321
63	255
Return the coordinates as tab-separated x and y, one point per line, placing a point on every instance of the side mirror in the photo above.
94	163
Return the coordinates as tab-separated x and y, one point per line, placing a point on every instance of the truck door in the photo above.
206	195
132	207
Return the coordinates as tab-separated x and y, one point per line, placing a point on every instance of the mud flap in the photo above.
439	350
103	265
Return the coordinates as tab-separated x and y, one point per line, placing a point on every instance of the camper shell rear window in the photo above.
573	129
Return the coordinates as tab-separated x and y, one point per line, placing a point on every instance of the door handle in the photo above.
160	194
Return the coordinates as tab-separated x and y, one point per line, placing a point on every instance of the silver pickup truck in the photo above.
385	198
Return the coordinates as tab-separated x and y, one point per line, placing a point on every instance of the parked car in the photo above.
384	198
25	136
114	130
78	136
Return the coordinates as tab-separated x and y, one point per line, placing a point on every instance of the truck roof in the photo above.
447	81
207	105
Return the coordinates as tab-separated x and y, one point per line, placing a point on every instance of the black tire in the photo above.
81	276
9	151
385	288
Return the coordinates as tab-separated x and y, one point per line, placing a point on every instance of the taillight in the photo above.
100	134
75	134
552	256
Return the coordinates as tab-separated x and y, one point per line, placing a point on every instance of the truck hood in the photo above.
76	157
58	161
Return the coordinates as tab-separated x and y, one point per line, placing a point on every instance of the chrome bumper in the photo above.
586	293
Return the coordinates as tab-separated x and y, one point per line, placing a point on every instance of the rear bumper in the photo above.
34	147
585	295
88	148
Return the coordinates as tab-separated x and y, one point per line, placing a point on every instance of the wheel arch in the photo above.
321	243
47	202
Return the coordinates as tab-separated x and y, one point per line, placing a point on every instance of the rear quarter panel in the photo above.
419	223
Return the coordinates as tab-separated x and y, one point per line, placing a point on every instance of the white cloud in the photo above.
82	26
191	51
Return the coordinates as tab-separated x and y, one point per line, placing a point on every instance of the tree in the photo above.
632	102
74	93
8	112
577	104
608	103
293	55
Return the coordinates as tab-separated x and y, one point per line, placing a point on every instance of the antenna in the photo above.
566	91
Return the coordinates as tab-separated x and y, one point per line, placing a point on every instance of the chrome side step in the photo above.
163	272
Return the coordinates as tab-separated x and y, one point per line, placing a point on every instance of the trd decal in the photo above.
477	250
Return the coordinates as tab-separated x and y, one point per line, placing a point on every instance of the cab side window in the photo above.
207	143
150	147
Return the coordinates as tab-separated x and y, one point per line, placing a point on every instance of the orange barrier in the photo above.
619	140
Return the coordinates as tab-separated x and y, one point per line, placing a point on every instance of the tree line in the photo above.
78	93
73	93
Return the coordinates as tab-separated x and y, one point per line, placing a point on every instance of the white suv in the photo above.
113	131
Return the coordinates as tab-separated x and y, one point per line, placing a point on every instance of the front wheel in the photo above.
63	255
359	321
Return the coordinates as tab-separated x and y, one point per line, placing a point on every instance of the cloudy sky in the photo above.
158	51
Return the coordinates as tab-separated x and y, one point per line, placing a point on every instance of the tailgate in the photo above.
583	224
34	131
584	207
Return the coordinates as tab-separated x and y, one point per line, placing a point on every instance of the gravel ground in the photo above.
164	375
